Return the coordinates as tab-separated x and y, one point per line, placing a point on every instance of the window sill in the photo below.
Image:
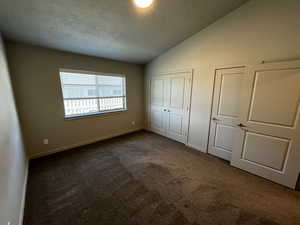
89	115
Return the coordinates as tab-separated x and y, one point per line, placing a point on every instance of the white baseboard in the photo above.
65	148
188	144
196	148
21	217
156	132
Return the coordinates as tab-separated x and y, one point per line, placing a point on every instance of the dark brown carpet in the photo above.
146	179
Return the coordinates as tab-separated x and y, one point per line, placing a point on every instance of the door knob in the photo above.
215	119
241	125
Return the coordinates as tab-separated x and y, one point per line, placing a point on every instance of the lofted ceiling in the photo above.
113	29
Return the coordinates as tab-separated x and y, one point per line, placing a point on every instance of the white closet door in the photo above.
268	141
179	92
170	105
225	112
158	93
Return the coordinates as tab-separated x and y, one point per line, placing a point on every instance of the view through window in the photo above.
88	93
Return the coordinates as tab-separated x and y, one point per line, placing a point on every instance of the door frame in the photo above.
169	73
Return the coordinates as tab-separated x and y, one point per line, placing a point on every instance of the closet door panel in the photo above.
157	105
178	106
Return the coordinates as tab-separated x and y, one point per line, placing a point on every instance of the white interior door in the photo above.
158	93
268	141
179	92
225	112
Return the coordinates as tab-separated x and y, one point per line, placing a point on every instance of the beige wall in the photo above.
13	162
35	78
259	30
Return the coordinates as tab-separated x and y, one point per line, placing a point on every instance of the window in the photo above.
88	93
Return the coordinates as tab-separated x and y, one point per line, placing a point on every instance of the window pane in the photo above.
110	86
81	106
111	103
78	78
78	91
78	85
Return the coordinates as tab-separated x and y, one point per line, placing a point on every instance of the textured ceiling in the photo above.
113	29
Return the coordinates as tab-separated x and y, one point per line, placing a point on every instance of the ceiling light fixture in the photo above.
143	3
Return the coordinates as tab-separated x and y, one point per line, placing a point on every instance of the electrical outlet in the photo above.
133	123
46	141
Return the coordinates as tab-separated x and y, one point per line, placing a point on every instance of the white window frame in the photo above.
82	115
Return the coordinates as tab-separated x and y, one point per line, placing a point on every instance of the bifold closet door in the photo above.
170	105
225	112
268	140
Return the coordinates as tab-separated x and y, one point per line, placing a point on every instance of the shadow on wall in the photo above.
298	184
